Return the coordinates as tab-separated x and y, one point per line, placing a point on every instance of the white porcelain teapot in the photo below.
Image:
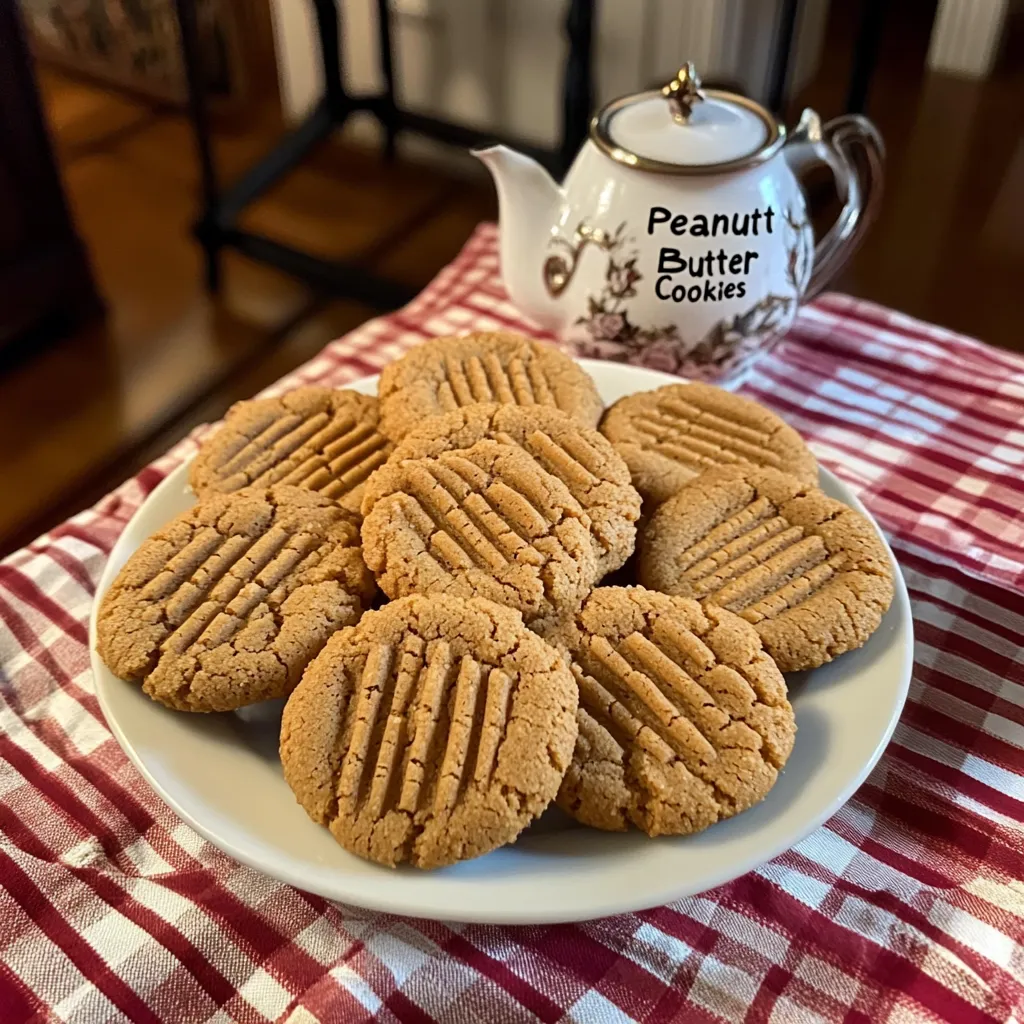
680	238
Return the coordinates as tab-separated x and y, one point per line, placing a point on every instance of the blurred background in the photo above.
119	333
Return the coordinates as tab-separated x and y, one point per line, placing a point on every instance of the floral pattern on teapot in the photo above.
607	331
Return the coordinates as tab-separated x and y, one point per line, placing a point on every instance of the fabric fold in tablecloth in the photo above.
907	905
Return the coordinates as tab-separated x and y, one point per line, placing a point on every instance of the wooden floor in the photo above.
81	413
85	411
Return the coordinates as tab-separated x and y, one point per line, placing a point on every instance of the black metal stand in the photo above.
785	36
578	87
865	54
217	226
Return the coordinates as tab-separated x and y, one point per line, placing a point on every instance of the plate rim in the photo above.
606	904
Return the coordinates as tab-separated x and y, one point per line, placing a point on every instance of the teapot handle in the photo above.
839	143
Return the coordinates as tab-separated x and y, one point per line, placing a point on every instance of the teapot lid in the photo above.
684	129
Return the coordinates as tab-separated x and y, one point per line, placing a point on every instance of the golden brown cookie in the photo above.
808	572
580	457
448	373
670	435
317	438
683	718
433	731
485	521
226	604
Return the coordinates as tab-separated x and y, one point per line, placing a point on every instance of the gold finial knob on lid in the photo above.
683	92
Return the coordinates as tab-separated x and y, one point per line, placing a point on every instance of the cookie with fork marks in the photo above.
226	604
433	731
449	373
669	436
484	521
683	718
809	573
321	439
579	456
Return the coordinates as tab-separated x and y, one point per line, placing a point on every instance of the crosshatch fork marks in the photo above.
683	719
462	542
755	562
584	462
284	436
233	593
225	604
485	521
333	458
320	440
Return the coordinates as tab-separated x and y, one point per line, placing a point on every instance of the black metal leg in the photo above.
328	28
389	108
865	55
287	154
784	38
196	80
213	272
578	87
217	226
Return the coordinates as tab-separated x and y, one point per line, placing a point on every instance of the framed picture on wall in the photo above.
135	44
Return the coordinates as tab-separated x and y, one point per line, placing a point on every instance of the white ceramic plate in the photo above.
221	774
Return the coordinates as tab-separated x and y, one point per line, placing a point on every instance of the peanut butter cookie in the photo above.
808	572
226	604
433	731
321	439
580	457
669	436
485	521
683	718
448	373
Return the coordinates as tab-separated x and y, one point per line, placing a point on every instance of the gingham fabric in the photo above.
908	905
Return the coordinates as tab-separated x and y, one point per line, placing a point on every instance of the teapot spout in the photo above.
529	203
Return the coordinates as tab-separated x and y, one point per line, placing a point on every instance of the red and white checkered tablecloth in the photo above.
908	905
